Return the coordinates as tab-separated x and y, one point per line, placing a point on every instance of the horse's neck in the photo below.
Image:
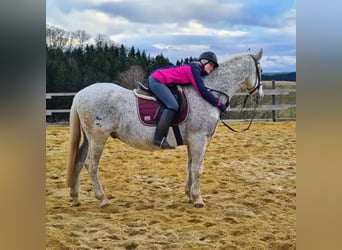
228	77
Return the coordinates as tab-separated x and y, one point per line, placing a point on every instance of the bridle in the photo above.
257	83
256	86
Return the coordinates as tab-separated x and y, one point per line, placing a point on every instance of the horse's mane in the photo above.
232	57
235	56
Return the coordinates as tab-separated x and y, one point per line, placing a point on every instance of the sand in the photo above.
248	186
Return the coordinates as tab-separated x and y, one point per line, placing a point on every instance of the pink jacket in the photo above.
187	74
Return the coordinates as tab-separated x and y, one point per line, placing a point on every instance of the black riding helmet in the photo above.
208	55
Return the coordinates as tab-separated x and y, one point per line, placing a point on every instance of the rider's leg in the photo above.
163	129
164	94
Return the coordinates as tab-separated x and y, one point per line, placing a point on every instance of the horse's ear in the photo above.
259	55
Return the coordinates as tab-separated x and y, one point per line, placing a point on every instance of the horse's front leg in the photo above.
196	150
188	182
93	159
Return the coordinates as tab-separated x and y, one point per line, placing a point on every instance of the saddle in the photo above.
149	108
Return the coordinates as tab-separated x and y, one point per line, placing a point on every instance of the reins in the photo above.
251	91
250	122
222	93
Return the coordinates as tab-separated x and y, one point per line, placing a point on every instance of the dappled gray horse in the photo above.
106	109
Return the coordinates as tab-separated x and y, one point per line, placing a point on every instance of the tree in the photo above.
56	37
129	77
102	39
161	61
81	37
123	59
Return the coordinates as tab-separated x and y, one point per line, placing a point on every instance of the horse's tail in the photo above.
75	135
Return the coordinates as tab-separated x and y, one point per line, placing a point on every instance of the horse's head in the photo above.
254	84
238	71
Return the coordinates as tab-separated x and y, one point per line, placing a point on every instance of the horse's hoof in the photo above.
76	204
199	205
104	204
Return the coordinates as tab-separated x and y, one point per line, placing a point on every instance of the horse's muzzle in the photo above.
261	91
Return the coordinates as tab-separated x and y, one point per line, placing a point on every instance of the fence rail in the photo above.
50	95
273	107
266	107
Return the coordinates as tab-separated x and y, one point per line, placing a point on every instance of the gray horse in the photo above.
106	109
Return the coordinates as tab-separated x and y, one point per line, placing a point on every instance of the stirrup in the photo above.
165	145
143	87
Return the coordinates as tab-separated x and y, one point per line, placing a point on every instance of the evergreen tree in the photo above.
70	69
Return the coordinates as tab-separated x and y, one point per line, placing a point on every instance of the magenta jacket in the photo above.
187	74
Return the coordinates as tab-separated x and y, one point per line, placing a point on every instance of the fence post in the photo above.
273	103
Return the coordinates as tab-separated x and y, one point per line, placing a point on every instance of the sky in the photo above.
186	28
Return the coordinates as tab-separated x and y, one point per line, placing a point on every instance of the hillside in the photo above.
280	76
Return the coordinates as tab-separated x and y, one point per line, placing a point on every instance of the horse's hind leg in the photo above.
80	158
93	159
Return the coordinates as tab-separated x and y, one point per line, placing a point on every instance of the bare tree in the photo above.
102	39
59	38
56	37
81	37
129	77
72	40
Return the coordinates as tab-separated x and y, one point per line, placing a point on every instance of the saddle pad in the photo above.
149	112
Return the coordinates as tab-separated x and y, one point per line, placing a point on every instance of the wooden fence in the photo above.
273	107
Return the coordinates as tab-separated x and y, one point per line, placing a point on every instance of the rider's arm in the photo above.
198	82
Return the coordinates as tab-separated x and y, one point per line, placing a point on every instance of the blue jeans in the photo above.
163	93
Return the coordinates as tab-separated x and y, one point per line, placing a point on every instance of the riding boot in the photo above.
163	129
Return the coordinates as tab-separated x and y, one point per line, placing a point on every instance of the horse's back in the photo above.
101	90
102	101
101	94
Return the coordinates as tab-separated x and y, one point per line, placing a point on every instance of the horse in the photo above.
102	110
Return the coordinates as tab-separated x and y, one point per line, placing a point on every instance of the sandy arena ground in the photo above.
248	186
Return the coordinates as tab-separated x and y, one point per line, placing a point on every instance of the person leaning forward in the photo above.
186	74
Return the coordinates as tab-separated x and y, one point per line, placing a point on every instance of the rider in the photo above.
186	74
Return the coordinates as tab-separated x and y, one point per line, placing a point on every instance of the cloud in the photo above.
195	28
181	47
156	12
284	24
278	63
184	28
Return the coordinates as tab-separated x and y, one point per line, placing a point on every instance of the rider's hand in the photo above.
223	107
